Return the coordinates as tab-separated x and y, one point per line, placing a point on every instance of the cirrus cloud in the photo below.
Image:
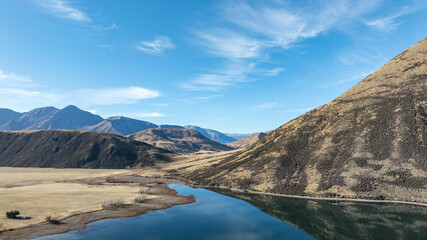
254	29
63	8
157	46
22	93
110	96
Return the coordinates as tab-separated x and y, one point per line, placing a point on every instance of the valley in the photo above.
76	197
229	120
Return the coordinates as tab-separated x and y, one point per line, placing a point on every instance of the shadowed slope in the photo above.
121	126
7	115
75	149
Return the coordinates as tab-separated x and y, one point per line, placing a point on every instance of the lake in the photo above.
231	215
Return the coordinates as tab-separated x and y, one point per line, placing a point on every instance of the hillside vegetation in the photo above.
370	142
179	140
247	141
75	149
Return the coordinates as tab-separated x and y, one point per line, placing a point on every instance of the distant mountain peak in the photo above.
212	134
179	140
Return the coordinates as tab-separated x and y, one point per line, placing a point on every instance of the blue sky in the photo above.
233	66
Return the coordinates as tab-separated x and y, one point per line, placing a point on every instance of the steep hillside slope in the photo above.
120	126
179	140
370	142
75	149
212	134
247	141
7	115
238	136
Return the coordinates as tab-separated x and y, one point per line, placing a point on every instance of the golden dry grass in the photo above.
187	163
38	193
26	176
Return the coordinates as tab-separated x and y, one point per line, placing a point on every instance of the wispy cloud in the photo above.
369	56
265	106
228	44
253	29
274	72
210	82
14	80
22	93
160	104
389	23
26	96
208	97
110	27
117	95
199	99
157	46
64	9
282	24
234	72
147	114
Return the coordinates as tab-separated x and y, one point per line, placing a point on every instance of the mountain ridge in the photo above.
212	134
121	126
370	142
247	141
179	140
73	118
75	149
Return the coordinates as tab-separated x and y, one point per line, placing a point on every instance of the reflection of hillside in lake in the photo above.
343	220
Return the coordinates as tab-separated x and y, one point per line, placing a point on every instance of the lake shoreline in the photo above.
168	198
314	198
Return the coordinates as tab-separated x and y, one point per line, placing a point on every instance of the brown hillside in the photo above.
370	142
179	140
75	149
247	141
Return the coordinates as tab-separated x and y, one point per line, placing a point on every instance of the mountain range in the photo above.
73	118
370	142
69	117
212	134
179	140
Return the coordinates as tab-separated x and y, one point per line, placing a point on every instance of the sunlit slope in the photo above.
179	140
247	141
370	142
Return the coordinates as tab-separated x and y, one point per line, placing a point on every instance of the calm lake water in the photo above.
217	216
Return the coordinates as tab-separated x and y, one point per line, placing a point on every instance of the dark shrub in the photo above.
52	220
12	214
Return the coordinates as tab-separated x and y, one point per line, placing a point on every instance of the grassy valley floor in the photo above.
76	197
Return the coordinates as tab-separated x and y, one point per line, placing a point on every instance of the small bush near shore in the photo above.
143	190
140	199
12	214
112	204
50	219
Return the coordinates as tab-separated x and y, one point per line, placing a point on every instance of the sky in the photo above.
232	66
